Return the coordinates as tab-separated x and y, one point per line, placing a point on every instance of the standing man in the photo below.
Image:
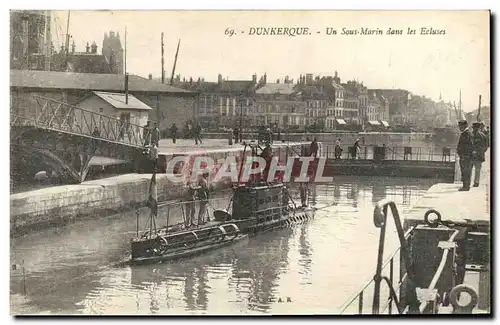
155	135
197	133
190	203
464	151
355	149
173	131
479	147
313	149
338	149
203	197
235	134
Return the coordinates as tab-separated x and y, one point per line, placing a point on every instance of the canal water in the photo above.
311	268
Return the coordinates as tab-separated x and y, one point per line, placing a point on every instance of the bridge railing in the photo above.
59	116
392	153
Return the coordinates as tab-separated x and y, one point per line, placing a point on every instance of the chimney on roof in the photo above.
219	79
277	81
265	78
150	76
94	48
254	78
190	80
199	79
309	78
287	79
336	74
87	48
73	46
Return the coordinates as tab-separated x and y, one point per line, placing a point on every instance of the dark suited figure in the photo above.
155	135
464	151
173	132
313	148
146	134
197	134
203	197
479	147
190	203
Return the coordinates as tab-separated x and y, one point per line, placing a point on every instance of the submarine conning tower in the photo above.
258	199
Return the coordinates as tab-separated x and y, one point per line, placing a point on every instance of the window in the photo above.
101	110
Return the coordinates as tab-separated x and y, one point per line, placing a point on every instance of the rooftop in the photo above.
87	81
273	88
118	100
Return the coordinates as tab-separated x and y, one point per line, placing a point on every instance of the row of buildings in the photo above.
324	102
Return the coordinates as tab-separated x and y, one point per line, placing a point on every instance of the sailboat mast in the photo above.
47	36
66	46
162	61
460	103
479	108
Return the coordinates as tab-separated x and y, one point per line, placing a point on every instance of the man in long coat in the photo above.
479	147
464	151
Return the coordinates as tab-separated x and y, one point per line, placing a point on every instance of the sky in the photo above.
430	65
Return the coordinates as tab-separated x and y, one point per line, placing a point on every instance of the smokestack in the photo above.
126	88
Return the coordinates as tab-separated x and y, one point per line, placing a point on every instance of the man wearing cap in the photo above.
464	151
479	147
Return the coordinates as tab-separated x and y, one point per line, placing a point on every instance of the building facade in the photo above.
30	38
225	103
278	105
112	50
170	104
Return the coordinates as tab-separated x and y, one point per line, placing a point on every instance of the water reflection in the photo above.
70	270
305	259
378	191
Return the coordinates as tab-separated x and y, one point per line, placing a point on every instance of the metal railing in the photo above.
173	213
416	300
62	117
392	153
359	297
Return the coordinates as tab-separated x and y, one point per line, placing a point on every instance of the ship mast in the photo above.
175	64
66	45
47	36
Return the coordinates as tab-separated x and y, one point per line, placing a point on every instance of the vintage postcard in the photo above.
250	162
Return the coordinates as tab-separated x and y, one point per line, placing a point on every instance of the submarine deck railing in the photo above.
368	152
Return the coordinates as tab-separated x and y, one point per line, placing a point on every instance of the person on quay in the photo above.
230	136
464	151
235	135
203	196
267	154
484	130
338	149
155	135
479	147
197	133
355	150
190	203
146	133
173	132
269	135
